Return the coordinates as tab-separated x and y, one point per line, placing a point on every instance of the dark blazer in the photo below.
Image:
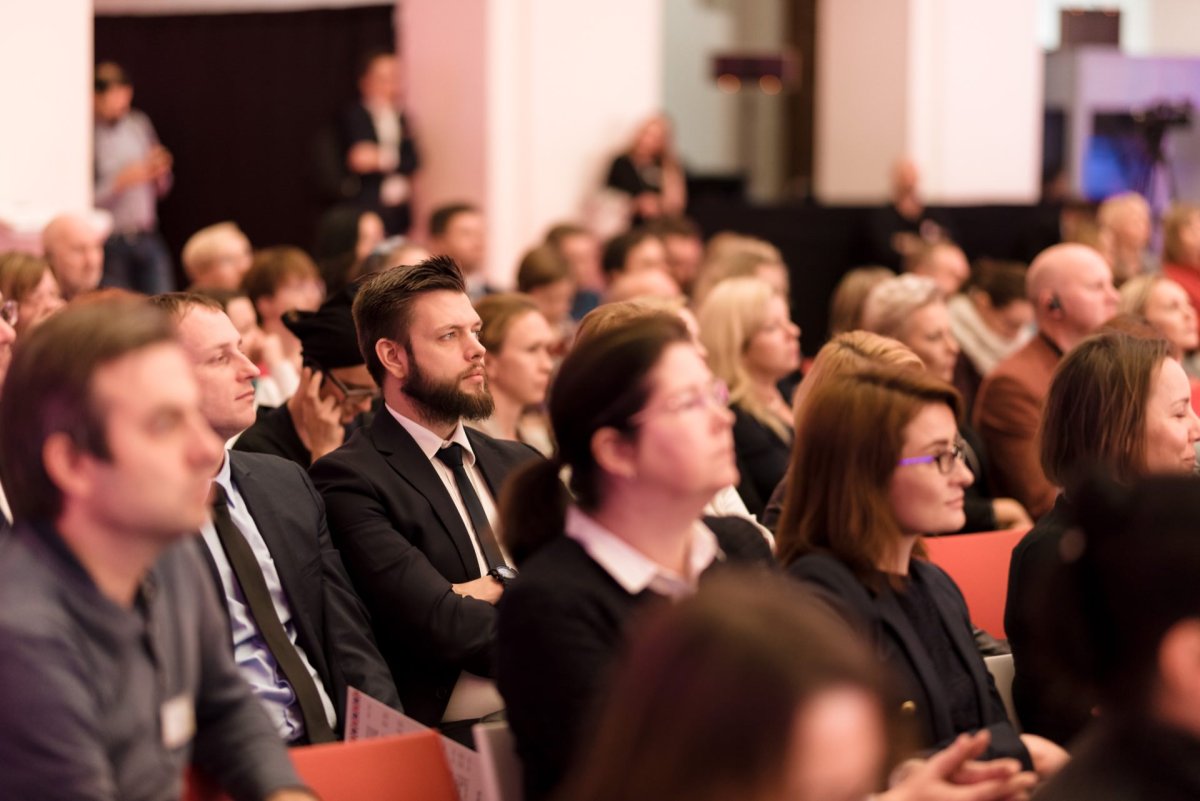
562	625
900	647
331	623
274	432
404	543
357	126
1120	760
762	459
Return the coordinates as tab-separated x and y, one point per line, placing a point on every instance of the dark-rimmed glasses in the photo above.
945	460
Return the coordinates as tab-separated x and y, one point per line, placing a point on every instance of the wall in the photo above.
45	147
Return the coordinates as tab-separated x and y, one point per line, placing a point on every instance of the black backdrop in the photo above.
240	100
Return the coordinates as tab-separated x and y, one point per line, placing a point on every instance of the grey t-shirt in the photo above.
101	702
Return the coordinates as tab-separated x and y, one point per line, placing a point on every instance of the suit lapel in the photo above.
404	456
892	615
489	463
964	644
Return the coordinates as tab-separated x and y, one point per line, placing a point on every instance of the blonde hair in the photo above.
1135	294
616	315
205	244
848	353
731	315
1173	223
1114	207
731	255
891	303
845	308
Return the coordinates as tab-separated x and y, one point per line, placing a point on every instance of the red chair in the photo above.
407	767
978	563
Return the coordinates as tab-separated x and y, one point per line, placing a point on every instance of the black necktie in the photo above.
258	598
452	457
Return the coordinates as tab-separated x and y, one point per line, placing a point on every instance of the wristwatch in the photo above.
503	574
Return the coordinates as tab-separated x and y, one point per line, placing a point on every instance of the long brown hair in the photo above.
842	464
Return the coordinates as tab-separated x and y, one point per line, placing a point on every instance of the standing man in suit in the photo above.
1071	289
380	151
412	498
300	635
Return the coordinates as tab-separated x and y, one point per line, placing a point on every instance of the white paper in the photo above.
367	718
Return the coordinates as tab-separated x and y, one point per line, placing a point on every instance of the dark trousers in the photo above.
139	262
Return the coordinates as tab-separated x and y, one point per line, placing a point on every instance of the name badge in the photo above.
178	721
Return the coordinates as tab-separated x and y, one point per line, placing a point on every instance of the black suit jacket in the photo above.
762	459
331	623
900	646
404	544
562	626
358	126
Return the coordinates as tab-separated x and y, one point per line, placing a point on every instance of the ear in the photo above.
614	454
1179	662
66	465
393	356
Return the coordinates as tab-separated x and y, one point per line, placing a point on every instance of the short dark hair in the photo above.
383	306
109	74
50	391
616	250
439	220
675	226
561	231
1002	281
273	267
176	304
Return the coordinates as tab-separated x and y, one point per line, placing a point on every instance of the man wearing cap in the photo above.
133	170
300	634
336	389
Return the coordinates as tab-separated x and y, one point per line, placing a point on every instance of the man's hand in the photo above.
364	157
1048	757
318	420
481	589
953	774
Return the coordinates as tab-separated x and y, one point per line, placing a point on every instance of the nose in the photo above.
8	334
1193	426
249	368
962	475
474	350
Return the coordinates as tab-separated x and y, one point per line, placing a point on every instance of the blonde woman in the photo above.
752	344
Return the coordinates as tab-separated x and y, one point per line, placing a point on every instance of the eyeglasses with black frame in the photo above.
351	394
945	460
10	312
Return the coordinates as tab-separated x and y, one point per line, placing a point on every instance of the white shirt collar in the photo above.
224	477
632	569
429	442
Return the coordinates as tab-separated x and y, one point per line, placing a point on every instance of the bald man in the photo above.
75	250
1071	289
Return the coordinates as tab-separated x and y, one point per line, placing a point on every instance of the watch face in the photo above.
504	573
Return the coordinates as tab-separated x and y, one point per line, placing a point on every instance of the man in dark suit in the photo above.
412	498
300	635
380	151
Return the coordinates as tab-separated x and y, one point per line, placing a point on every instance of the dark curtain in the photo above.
243	101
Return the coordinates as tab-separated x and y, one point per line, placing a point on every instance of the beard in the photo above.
443	401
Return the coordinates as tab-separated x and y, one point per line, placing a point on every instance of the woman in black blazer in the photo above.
643	427
878	464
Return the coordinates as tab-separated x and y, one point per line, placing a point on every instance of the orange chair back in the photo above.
978	563
406	767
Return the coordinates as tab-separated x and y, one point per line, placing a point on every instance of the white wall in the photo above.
524	106
705	118
1175	27
46	105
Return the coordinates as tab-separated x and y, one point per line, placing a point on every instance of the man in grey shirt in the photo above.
115	671
133	170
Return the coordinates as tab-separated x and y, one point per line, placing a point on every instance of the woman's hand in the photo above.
1048	757
954	774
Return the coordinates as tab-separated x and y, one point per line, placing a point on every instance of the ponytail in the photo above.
533	508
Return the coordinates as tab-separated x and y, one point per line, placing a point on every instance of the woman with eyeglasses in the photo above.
643	427
877	465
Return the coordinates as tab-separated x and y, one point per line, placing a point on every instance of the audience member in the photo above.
336	390
75	251
990	321
1071	289
457	231
265	350
650	172
1121	404
579	247
910	309
393	252
945	263
545	275
115	670
900	229
9	317
685	249
411	498
29	282
132	171
217	257
877	465
642	425
300	636
1165	305
845	307
1125	231
752	344
346	236
1128	628
741	257
519	342
643	284
846	354
637	250
280	280
1181	248
753	689
377	138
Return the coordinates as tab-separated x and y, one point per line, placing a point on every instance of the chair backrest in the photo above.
978	563
501	771
1001	668
406	767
